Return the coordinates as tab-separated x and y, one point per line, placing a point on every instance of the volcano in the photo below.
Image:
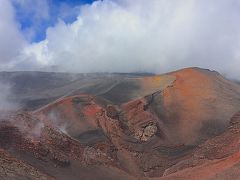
179	125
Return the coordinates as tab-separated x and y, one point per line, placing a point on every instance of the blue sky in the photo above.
35	27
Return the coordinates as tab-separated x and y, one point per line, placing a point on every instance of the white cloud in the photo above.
142	35
11	39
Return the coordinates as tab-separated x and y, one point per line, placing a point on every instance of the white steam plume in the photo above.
5	103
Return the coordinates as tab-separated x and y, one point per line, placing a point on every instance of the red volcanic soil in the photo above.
217	158
198	105
181	125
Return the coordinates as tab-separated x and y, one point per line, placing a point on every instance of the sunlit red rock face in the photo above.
181	125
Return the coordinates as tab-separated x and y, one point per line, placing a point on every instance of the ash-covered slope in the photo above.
179	125
34	89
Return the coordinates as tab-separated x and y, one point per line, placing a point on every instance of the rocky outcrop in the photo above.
112	112
145	133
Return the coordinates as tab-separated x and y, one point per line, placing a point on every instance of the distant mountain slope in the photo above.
35	89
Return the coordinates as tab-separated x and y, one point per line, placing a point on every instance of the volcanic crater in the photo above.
180	125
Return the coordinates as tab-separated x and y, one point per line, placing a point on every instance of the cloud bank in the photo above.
11	39
132	36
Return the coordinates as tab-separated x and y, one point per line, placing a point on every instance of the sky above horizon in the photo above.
34	17
120	35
